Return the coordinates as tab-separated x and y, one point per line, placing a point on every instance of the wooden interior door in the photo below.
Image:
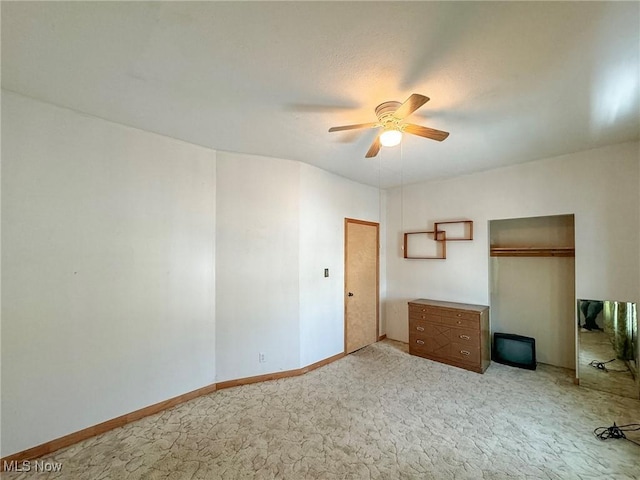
361	281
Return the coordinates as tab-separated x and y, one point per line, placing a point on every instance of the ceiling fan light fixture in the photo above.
390	138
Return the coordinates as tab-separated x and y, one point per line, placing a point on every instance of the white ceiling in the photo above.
512	82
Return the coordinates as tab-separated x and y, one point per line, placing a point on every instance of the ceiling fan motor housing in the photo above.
386	109
385	112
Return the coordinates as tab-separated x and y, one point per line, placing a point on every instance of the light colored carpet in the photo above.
378	413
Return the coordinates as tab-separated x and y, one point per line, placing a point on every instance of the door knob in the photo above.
350	294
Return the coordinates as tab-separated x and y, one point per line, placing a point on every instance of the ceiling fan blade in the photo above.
410	105
374	148
353	127
426	132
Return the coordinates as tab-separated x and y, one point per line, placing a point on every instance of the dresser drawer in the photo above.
461	323
470	338
457	314
429	345
420	310
418	315
465	353
418	343
418	326
433	319
413	308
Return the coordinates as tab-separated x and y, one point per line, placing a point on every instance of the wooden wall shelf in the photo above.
439	237
462	230
532	251
467	230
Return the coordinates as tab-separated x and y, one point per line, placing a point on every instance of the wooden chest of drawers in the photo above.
452	333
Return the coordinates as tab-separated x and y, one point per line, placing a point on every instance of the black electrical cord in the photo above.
600	365
616	431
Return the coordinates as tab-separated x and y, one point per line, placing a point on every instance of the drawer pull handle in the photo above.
420	329
459	322
465	337
458	314
420	342
464	352
423	317
424	310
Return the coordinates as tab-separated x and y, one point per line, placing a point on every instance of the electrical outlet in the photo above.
261	358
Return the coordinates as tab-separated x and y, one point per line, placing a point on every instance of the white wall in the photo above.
257	289
107	270
279	225
325	201
599	186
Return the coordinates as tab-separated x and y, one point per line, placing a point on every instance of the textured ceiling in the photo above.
512	82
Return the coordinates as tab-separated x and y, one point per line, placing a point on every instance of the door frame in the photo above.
346	260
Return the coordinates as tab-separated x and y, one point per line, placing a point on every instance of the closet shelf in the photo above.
533	252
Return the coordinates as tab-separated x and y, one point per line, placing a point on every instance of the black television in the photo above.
515	350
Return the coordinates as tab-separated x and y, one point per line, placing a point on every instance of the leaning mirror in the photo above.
608	354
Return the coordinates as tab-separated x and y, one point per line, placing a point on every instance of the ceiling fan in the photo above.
390	116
